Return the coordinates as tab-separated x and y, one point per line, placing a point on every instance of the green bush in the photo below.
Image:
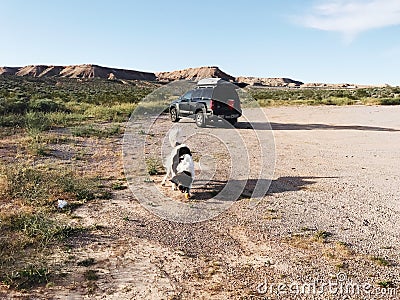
390	101
27	277
113	113
13	106
46	105
91	131
36	122
12	120
65	119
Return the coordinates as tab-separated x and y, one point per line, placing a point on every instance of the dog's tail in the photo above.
174	136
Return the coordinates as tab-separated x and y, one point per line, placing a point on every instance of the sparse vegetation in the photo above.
66	102
41	186
92	131
91	275
315	96
31	224
118	186
322	235
27	277
87	262
380	261
154	166
386	284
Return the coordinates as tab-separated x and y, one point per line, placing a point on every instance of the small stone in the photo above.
62	203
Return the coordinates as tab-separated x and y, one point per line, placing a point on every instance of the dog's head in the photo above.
183	189
183	180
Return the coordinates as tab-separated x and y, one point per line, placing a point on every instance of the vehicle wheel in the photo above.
200	119
174	115
233	121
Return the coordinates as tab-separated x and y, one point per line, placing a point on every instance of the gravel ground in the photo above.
330	216
341	161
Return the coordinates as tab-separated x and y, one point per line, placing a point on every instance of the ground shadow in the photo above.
296	126
222	123
212	188
216	123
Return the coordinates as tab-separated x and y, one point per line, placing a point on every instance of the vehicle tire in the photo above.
233	121
200	119
174	115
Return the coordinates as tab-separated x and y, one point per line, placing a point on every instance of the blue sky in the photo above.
332	41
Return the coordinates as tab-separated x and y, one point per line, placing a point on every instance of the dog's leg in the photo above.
174	186
166	177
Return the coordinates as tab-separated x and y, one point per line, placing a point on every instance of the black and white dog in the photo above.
179	165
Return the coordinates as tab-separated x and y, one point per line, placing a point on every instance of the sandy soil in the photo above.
331	215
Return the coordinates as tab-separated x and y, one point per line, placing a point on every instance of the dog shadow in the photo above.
207	190
314	126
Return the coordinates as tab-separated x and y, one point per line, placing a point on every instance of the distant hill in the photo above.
88	71
194	74
78	71
94	71
8	70
272	82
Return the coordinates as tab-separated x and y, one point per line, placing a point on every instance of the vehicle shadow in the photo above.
221	123
210	189
316	126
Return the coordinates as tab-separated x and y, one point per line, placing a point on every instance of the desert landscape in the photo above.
325	228
88	71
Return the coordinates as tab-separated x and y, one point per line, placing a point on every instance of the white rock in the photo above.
62	203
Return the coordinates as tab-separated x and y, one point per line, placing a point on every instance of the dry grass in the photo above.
31	225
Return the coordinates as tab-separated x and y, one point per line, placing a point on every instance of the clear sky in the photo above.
331	41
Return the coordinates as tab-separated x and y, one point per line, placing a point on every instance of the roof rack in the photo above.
211	81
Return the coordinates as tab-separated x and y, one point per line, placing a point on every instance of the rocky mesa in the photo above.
87	71
272	82
78	71
194	74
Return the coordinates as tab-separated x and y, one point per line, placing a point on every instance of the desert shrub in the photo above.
154	166
390	101
23	105
65	119
27	277
25	183
46	105
34	225
27	236
40	187
36	122
92	131
113	113
362	93
13	106
337	101
12	120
